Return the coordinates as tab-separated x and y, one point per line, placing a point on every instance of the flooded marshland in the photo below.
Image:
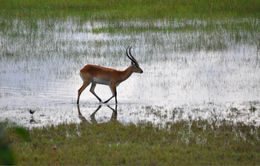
193	70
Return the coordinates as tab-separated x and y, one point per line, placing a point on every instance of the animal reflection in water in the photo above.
93	118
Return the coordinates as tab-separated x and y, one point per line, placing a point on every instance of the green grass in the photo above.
130	9
181	143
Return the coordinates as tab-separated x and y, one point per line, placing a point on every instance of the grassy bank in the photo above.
181	143
130	9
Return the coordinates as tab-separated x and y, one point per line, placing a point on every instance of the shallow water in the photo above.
188	75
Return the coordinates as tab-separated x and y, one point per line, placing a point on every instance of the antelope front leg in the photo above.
92	90
113	90
83	87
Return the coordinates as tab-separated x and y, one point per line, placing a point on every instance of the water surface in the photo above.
188	75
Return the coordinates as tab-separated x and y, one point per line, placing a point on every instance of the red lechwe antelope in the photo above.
106	76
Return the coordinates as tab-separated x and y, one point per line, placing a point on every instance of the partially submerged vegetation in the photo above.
180	25
181	143
213	22
184	35
130	9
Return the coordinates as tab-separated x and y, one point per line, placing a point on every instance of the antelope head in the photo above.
134	64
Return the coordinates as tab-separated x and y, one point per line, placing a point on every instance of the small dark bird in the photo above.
31	111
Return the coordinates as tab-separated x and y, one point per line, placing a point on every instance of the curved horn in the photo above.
132	56
128	54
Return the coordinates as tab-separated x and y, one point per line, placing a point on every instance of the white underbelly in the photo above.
101	81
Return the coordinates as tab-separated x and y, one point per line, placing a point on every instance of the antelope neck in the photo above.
126	73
